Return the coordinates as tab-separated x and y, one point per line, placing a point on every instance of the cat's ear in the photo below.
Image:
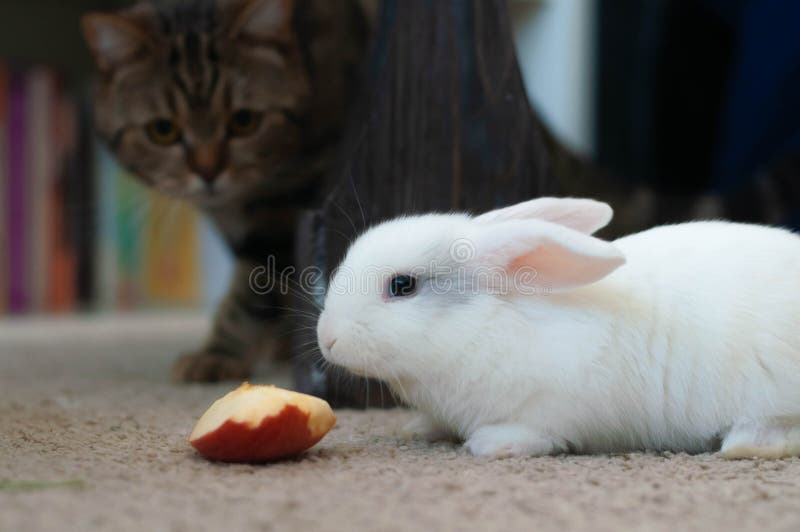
263	20
112	39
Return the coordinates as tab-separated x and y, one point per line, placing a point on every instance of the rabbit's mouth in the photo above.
358	369
326	347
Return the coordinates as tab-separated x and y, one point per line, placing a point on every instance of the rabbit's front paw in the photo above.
768	438
506	441
204	366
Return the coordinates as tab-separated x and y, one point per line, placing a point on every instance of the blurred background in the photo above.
689	96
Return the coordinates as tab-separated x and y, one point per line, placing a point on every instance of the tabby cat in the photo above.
237	107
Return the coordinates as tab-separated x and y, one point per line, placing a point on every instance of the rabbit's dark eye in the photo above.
402	286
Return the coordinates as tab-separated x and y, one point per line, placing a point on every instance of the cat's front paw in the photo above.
204	366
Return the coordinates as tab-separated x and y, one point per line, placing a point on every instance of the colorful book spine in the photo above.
40	87
131	207
62	268
106	268
4	251
216	265
16	198
171	237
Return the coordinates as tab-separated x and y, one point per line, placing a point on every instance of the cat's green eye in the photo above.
163	131
244	122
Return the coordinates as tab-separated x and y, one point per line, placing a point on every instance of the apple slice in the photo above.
260	423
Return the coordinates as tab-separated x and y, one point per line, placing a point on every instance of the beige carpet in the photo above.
93	437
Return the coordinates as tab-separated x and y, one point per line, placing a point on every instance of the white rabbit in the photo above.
523	335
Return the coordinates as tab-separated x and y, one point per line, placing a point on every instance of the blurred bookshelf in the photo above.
77	232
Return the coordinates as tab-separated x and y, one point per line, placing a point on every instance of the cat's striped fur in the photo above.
237	107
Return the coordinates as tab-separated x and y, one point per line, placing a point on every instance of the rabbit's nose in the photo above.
326	344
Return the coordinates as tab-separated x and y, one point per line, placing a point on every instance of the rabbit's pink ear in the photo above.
584	215
545	256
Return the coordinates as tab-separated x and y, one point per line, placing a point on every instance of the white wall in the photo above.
555	44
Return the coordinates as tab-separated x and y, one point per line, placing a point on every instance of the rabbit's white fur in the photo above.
695	338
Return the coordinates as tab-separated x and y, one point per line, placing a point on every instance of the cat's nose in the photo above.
207	160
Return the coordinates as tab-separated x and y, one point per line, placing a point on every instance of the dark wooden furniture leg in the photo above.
443	122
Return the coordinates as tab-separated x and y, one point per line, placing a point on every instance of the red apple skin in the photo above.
281	436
